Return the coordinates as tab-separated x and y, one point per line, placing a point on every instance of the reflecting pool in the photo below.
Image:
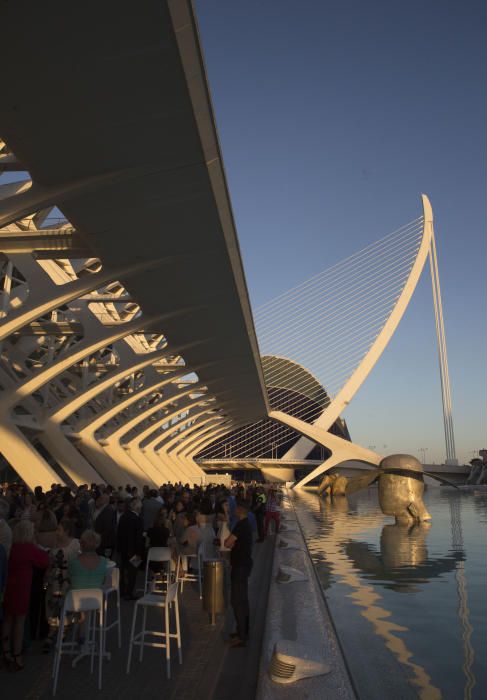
409	603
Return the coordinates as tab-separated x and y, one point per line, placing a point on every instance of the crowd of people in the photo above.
54	541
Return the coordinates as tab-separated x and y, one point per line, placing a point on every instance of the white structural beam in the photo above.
134	447
193	446
130	450
65	408
74	464
25	459
46	297
341	450
187	455
160	445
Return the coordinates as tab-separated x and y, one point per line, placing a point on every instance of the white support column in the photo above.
167	471
67	456
177	456
190	470
157	449
112	471
128	470
113	445
451	457
91	448
188	452
24	458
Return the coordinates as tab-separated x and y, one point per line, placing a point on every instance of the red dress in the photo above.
23	556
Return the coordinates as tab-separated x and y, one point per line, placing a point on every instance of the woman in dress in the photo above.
24	555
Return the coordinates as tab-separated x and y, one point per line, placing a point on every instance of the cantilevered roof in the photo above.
106	104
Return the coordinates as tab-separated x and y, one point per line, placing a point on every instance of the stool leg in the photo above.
92	637
105	620
168	641
57	658
142	639
102	644
178	629
119	618
131	643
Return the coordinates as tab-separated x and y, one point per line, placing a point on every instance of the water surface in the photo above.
409	603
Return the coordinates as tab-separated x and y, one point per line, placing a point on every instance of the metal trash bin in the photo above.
213	598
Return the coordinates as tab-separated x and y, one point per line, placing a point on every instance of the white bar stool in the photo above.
183	575
111	586
158	555
152	600
85	600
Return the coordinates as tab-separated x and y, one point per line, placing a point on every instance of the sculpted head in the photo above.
401	488
401	461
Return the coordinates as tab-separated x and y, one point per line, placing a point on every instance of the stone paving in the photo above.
210	670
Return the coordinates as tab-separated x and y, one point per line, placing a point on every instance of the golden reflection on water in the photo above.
411	551
467	629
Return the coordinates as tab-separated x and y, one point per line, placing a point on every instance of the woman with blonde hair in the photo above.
24	555
88	569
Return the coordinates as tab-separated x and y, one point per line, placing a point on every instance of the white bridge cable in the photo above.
335	305
269	438
334	300
339	328
334	295
334	322
268	322
349	303
331	303
284	297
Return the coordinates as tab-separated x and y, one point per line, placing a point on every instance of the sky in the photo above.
334	116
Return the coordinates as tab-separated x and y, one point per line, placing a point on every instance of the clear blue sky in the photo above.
334	115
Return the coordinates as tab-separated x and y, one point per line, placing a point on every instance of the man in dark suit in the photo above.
130	545
104	524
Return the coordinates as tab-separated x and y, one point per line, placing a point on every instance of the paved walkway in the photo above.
210	670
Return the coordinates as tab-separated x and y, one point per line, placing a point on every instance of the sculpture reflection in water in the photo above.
403	563
340	563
